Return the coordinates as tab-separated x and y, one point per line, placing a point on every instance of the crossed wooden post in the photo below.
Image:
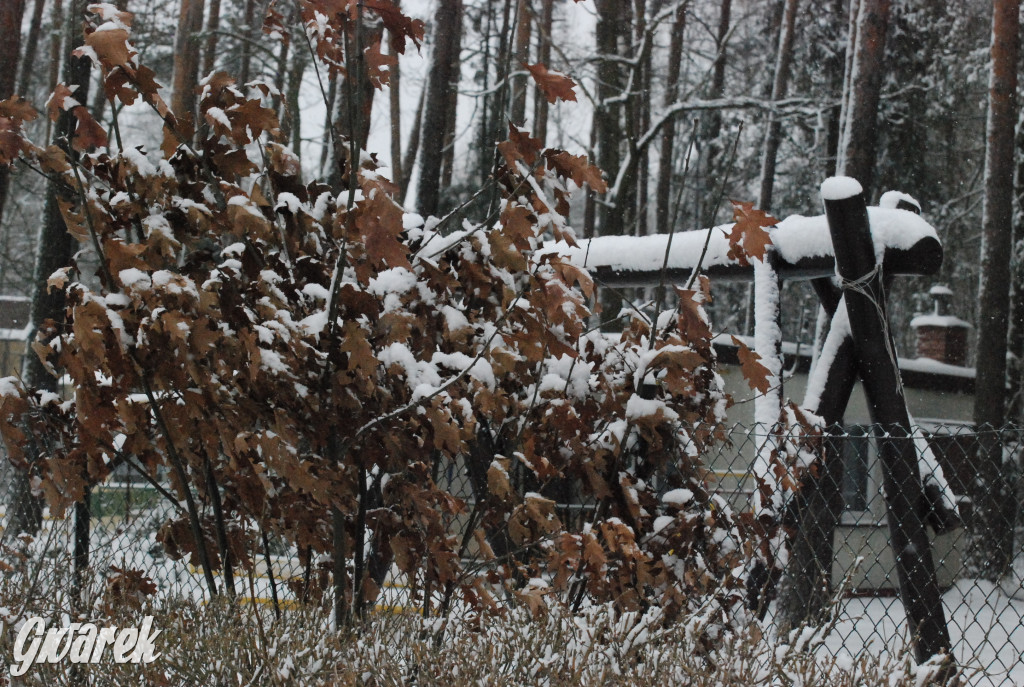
860	346
864	298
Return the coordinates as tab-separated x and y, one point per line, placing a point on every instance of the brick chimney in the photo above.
941	336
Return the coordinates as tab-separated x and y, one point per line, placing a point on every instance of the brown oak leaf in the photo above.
749	237
111	47
756	374
554	85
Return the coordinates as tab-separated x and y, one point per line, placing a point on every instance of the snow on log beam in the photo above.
803	246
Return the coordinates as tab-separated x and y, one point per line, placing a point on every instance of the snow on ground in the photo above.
986	621
986	628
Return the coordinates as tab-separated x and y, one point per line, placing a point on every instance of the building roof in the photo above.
917	373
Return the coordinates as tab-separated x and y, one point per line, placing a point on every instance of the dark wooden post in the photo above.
864	292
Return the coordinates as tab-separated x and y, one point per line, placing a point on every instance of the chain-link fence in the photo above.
841	569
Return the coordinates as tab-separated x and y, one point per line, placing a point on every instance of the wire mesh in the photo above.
841	570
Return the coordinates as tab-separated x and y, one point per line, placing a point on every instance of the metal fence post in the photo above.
863	289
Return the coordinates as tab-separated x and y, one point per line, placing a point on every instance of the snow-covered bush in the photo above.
308	358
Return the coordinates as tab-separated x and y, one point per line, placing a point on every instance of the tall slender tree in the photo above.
395	111
858	147
993	532
212	37
55	247
540	103
666	162
28	62
524	26
612	35
11	13
711	121
187	49
437	109
780	85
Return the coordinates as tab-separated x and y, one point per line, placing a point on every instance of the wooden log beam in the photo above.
802	244
864	294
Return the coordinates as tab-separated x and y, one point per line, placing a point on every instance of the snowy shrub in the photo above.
310	358
224	643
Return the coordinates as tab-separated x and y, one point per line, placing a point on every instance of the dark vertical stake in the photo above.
81	551
865	304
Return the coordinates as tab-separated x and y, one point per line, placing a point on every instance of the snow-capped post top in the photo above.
840	188
897	200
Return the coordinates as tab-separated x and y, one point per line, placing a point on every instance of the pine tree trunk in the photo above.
56	34
612	25
212	27
409	161
28	62
711	122
395	110
11	13
540	103
836	67
666	161
864	87
524	20
448	160
443	76
1015	337
55	249
292	121
992	535
245	49
641	118
187	48
851	50
495	124
780	84
327	144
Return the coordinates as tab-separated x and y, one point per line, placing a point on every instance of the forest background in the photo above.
759	85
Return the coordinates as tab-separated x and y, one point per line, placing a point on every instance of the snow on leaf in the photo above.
577	168
748	237
58	280
61	99
16	108
693	323
111	47
379	65
498	482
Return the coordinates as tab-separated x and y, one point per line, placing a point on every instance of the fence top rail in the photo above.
802	250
